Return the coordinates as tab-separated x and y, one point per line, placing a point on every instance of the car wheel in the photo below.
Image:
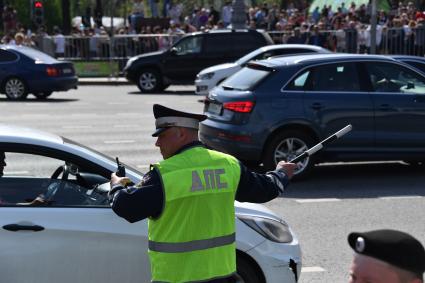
246	272
149	81
15	89
286	146
43	95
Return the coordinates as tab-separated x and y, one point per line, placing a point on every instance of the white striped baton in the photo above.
321	144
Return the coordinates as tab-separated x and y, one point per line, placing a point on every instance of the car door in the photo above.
7	59
75	237
182	61
333	97
398	94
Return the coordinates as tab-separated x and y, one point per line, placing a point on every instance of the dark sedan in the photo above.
275	109
25	70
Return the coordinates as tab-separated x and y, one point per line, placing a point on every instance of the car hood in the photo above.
219	67
148	55
254	209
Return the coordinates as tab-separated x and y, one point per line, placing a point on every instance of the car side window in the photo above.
300	82
388	77
52	183
190	45
417	65
335	77
7	56
219	43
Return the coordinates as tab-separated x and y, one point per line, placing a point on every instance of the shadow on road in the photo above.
360	181
33	100
165	92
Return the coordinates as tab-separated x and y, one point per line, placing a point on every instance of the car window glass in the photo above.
222	43
388	77
335	77
49	184
417	65
189	45
7	56
245	79
299	83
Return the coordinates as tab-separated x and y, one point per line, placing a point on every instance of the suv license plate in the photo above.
215	108
67	71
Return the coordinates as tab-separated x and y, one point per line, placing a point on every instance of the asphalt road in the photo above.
322	210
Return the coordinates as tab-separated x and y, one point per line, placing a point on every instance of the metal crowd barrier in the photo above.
115	51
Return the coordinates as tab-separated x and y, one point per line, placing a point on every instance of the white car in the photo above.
74	236
210	77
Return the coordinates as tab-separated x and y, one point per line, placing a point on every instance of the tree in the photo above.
66	16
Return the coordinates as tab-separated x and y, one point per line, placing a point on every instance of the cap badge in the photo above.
360	244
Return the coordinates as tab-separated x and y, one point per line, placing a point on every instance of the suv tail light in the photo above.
52	71
239	106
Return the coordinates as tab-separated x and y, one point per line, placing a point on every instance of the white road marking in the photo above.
400	197
126	126
77	127
16	173
143	166
317	200
312	269
119	141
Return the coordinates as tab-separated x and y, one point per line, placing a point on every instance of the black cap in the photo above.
394	247
167	117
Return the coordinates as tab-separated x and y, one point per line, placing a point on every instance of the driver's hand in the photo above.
115	180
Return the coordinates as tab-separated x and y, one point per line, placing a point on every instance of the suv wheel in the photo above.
15	89
149	80
286	146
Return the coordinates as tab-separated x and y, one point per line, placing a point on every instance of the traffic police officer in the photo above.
188	199
386	256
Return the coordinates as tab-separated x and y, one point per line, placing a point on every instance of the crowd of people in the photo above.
345	28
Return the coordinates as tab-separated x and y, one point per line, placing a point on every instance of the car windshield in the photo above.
92	151
37	55
245	79
248	57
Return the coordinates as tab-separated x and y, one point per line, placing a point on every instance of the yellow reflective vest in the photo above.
194	237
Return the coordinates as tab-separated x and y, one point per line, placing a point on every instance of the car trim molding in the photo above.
192	245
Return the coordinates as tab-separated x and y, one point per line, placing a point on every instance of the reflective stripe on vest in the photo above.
192	245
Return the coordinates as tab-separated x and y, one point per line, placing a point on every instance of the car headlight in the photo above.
207	76
276	231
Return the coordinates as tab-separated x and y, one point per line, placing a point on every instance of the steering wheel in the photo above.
64	169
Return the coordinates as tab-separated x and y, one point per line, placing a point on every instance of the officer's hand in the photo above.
115	180
287	168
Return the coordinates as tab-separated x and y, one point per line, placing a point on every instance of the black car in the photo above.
187	57
275	109
25	70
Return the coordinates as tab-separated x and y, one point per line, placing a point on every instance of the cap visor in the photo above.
158	131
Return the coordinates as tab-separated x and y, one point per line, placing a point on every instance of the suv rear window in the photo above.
245	79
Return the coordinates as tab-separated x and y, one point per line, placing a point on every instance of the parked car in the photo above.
155	71
212	76
75	236
25	70
275	109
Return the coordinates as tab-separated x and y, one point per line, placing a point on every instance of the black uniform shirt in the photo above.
147	198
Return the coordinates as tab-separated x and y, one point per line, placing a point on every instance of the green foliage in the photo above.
52	12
